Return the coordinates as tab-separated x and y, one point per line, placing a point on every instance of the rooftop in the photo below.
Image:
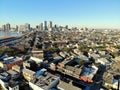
75	71
89	72
27	71
45	81
10	60
13	83
37	51
108	77
36	59
5	74
11	72
16	66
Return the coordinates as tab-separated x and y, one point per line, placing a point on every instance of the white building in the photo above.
37	60
50	25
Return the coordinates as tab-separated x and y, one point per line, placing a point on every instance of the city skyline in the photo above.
80	13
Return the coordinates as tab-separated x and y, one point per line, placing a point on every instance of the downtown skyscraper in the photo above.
50	25
6	27
45	25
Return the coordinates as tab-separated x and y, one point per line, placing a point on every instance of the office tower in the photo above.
40	27
3	27
7	27
27	27
66	26
16	28
22	28
45	25
55	26
49	24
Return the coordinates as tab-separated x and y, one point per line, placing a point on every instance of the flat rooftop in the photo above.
45	81
12	72
5	74
13	83
10	60
29	72
89	72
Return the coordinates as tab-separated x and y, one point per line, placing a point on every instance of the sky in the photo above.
80	13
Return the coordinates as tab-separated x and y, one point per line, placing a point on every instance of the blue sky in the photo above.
89	13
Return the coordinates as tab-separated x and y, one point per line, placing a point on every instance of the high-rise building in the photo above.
7	27
27	27
66	26
45	25
3	27
16	28
22	28
55	26
40	27
50	24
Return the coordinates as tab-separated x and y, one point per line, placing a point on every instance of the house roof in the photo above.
11	72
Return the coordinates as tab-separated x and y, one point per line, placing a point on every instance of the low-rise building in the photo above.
63	54
44	82
17	68
103	61
13	85
3	84
13	74
38	54
110	81
28	74
6	81
9	62
88	73
37	60
4	76
72	71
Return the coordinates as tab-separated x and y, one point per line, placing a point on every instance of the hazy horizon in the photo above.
79	13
